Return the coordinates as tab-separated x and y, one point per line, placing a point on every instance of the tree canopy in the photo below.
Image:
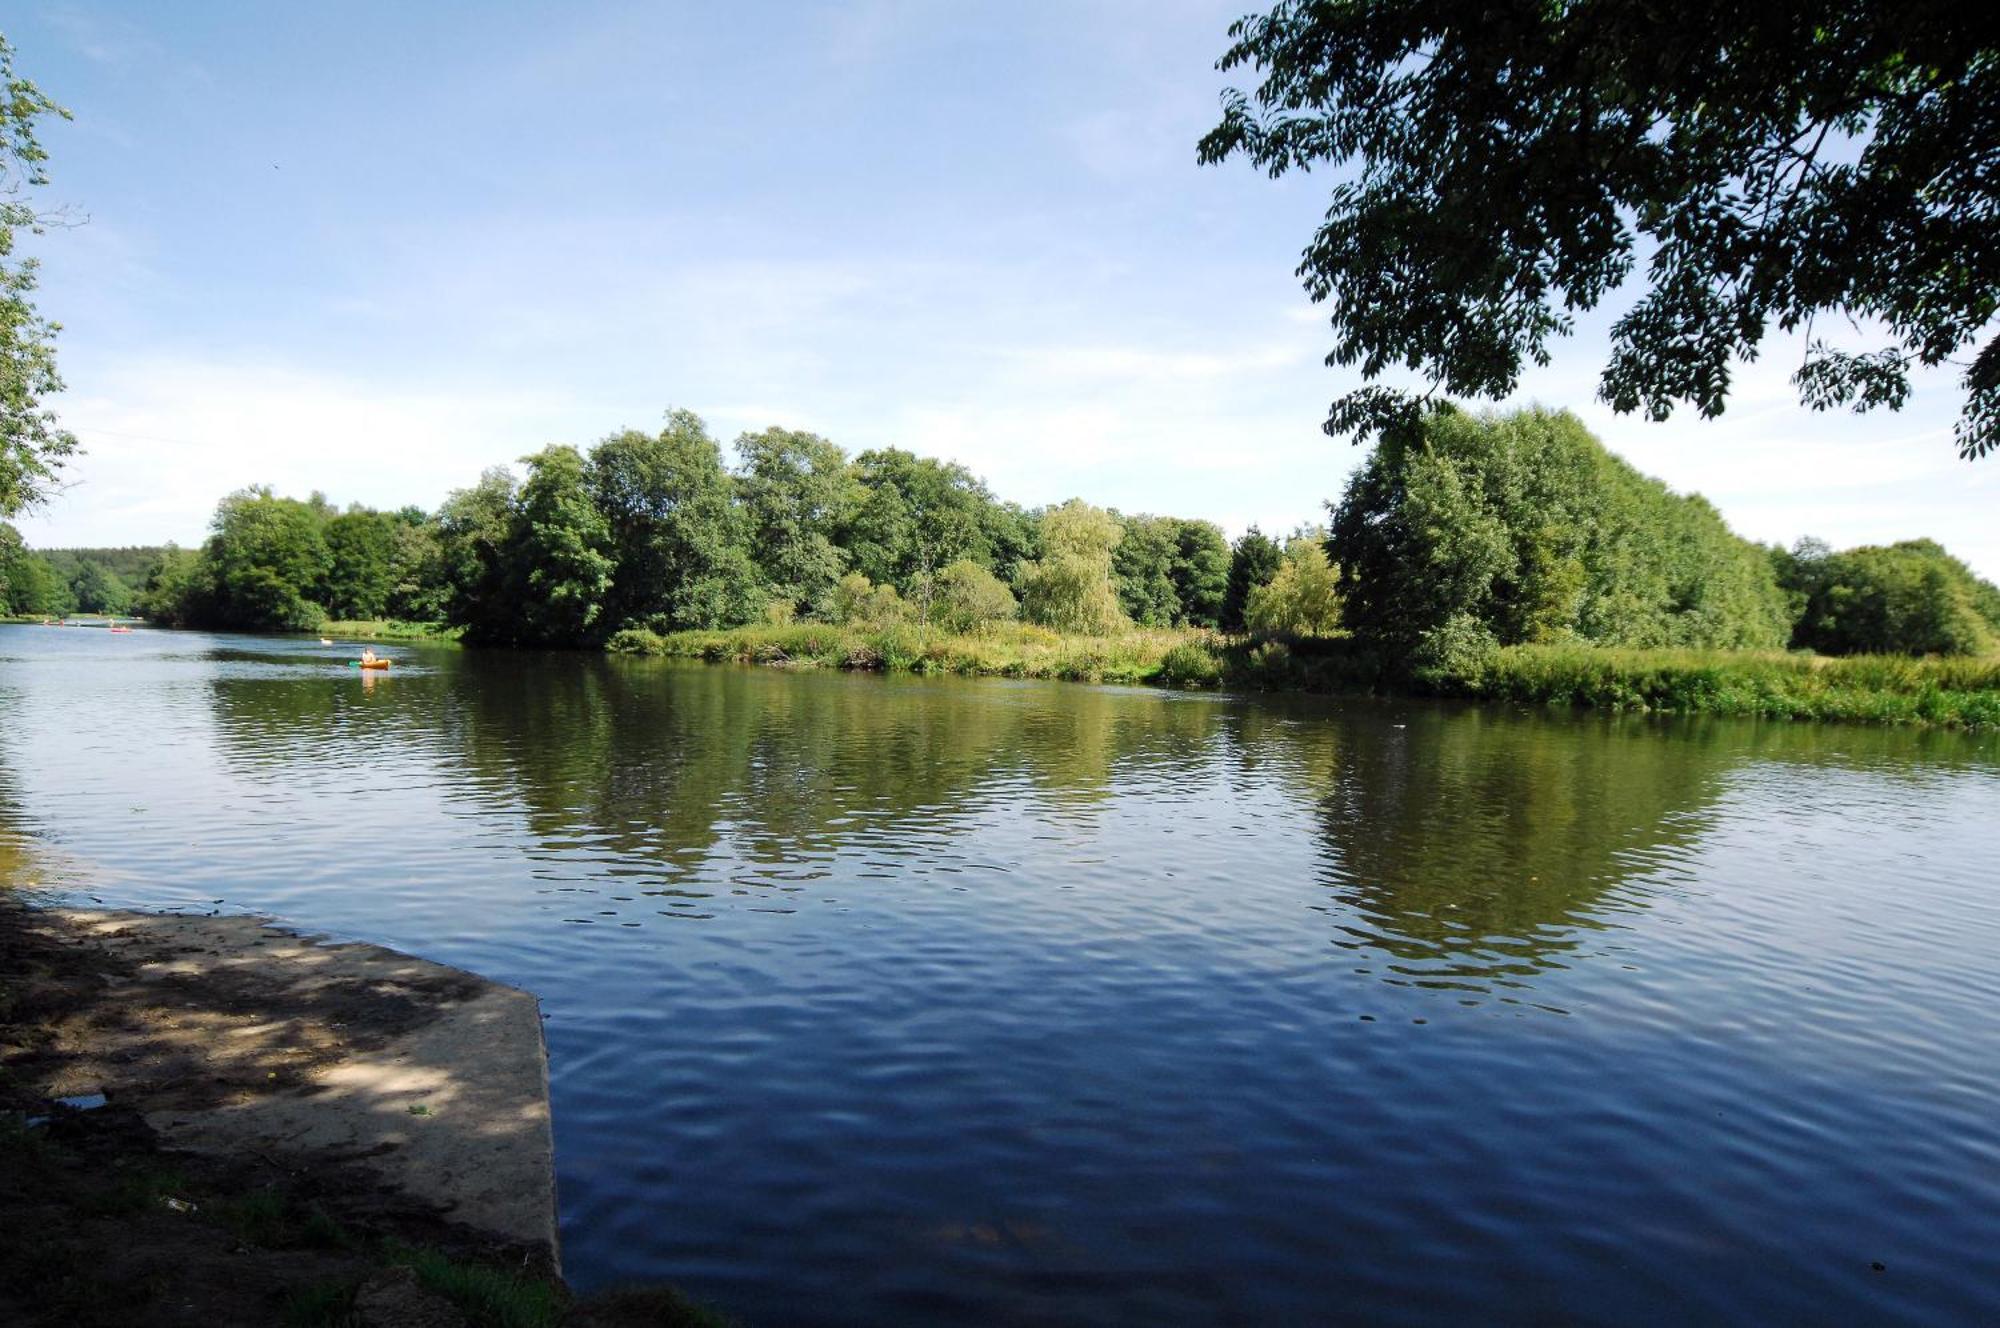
32	444
1523	528
1910	598
1513	163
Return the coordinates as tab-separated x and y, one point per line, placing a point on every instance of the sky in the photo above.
372	249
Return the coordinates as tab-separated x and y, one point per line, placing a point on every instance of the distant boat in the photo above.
121	629
323	641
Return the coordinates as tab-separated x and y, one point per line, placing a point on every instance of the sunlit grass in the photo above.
1888	689
388	629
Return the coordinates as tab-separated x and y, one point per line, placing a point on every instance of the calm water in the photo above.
912	1002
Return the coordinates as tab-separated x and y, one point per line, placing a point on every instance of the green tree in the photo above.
558	553
418	588
266	557
95	590
32	445
1500	167
916	514
1200	572
1142	568
1069	587
1909	598
13	551
677	533
1303	596
361	564
1253	561
175	589
1524	528
797	489
859	602
969	597
474	529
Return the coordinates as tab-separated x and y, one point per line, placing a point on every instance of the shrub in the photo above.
1189	665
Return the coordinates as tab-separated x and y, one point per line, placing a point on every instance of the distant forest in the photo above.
1469	533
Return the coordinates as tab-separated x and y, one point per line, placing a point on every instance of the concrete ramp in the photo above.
233	1034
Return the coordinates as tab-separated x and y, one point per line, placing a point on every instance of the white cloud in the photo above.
166	437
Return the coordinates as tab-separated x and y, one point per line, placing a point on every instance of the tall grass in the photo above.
388	629
1885	689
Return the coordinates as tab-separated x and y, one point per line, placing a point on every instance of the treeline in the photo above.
52	583
1467	535
654	531
1479	532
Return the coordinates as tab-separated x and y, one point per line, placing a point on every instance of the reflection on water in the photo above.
897	1000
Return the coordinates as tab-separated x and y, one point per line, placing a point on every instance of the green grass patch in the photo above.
490	1297
388	629
1875	689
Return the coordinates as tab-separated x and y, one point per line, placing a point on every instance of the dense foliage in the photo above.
1908	598
32	444
1485	530
1500	166
55	582
1474	534
1302	599
652	532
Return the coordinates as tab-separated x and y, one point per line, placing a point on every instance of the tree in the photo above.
969	597
265	559
1142	568
1513	162
1069	587
915	515
95	590
1200	572
32	444
417	583
1909	598
1303	598
473	529
558	554
1523	528
677	534
361	564
1253	561
859	602
796	489
174	589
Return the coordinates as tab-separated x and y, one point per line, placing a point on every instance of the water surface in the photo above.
905	1001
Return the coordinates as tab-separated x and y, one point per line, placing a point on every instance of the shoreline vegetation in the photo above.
1875	689
1494	557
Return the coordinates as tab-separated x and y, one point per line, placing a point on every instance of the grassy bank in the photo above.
388	629
1883	689
1013	651
1877	689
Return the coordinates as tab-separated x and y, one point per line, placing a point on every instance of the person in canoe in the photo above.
367	655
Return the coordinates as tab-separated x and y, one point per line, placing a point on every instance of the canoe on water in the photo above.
371	663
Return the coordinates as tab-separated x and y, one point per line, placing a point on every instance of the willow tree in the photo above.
1501	166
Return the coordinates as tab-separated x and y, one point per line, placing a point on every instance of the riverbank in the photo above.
1879	689
210	1120
387	629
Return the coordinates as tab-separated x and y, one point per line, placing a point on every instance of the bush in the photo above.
1189	665
968	597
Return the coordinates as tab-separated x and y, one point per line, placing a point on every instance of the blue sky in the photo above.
372	249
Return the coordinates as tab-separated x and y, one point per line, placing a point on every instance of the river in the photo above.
909	1001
